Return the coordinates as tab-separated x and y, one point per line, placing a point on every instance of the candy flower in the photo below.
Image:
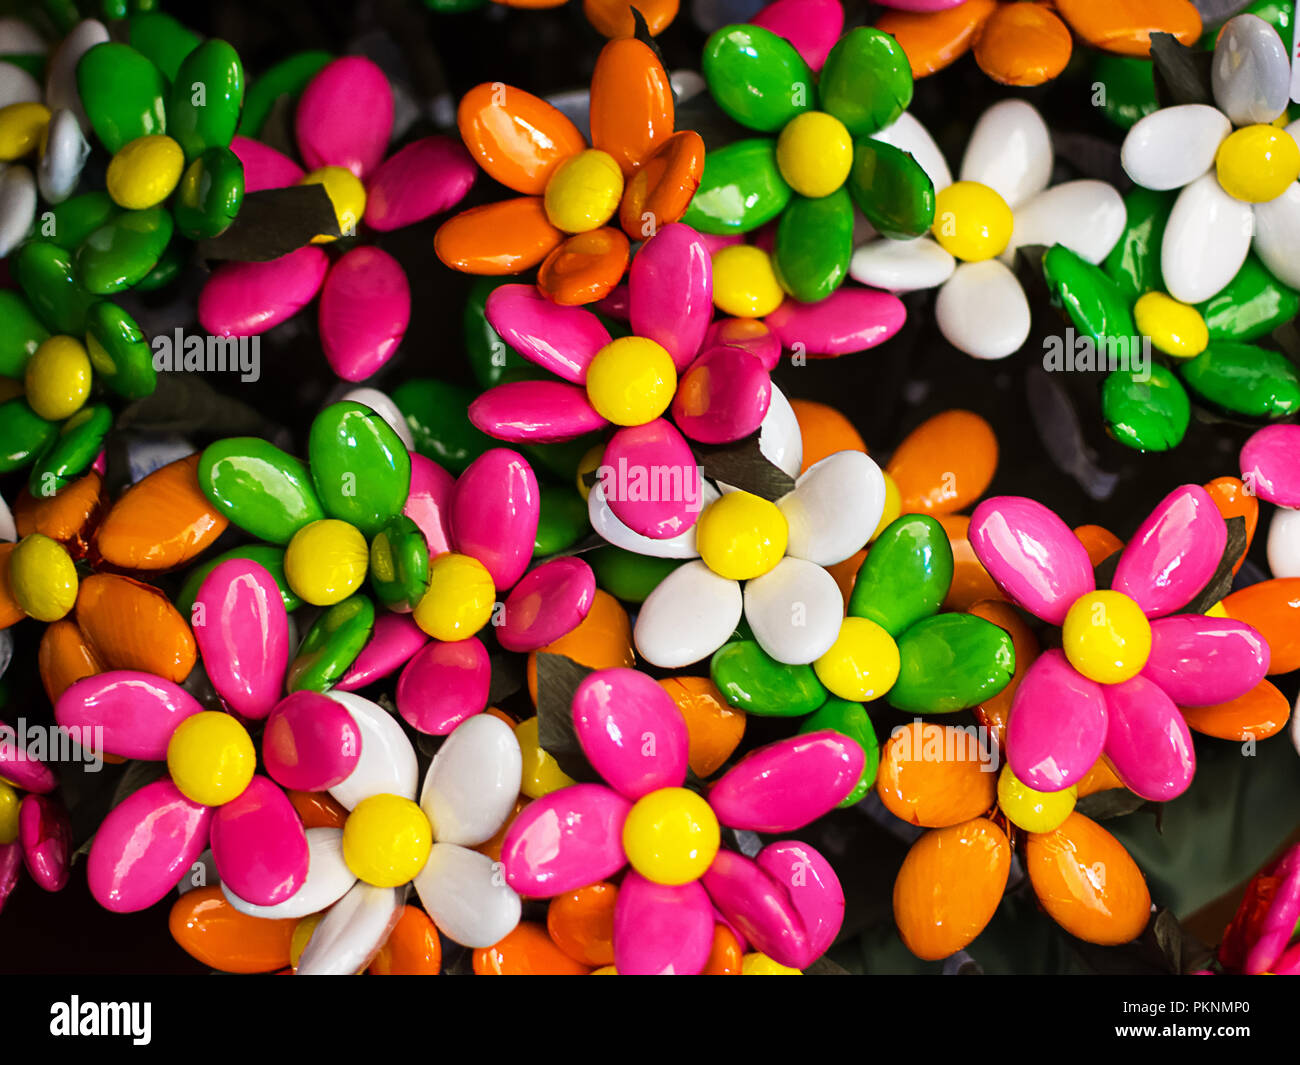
1261	937
815	164
34	827
1128	661
1000	202
342	126
1237	169
1019	44
636	168
787	902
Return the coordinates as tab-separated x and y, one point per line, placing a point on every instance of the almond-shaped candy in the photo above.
462	891
759	907
1057	726
311	742
242	631
494	514
722	397
20	767
849	320
264	167
245	299
794	610
443	685
473	781
565	840
328	880
1270	464
393	641
563	340
345	116
631	731
610	527
535	412
135	712
46	838
1203	661
813	887
834	508
649	478
161	521
670	289
387	764
359	466
423	179
259	845
546	604
1174	553
352	931
1147	740
661	929
130	625
690	614
365	307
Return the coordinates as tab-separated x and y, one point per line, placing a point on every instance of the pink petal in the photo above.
1032	555
264	167
345	116
246	299
423	179
1204	661
20	768
812	26
46	838
548	603
1147	740
723	396
311	742
394	639
428	502
443	685
494	514
535	412
259	845
813	887
11	864
651	481
1270	464
565	840
670	289
850	319
1174	552
563	340
631	731
1057	726
137	712
365	307
243	636
660	930
787	784
144	846
1278	928
760	907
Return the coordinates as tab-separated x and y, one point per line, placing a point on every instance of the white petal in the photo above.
834	508
902	265
794	610
609	527
387	763
909	135
1277	235
61	72
1206	240
466	895
17	86
1284	543
66	151
473	782
982	310
1088	217
8	529
17	206
1174	146
18	38
1010	150
688	616
1251	71
381	404
328	880
352	932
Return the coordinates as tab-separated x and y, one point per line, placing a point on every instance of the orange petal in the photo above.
1126	28
602	640
412	947
945	463
846	573
581	923
68	517
527	951
208	928
1087	882
713	727
492	848
949	887
1259	714
970	580
130	625
317	809
1272	608
518	138
497	238
993	713
1100	543
725	957
1023	44
825	431
585	268
935	39
933	775
1101	777
1232	499
613	18
161	521
65	658
661	189
631	102
10	612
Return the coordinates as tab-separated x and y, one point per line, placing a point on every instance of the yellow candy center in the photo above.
671	836
741	536
211	758
972	221
631	381
814	153
386	840
459	599
9	802
43	577
22	126
584	191
541	772
862	663
58	378
326	561
744	282
1258	163
1034	811
1174	328
346	193
1106	637
144	172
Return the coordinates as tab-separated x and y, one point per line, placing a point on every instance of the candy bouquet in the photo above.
760	490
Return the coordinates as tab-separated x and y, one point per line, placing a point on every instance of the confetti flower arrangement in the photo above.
763	490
